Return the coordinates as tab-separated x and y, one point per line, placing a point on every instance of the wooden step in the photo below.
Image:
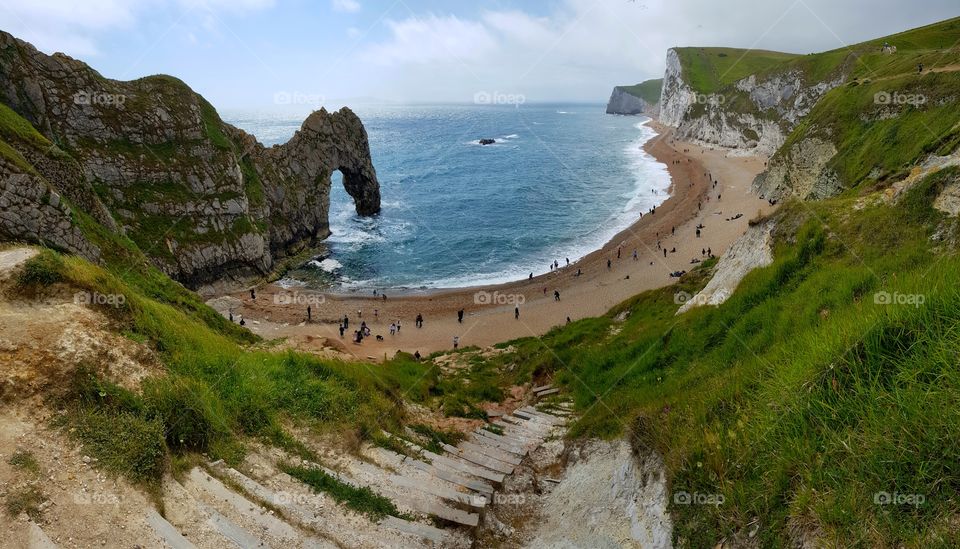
427	507
542	388
480	438
495	453
37	538
480	459
443	478
548	392
543	415
167	532
230	530
200	481
507	438
425	531
431	489
452	463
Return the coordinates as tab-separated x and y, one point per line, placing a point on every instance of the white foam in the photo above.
329	264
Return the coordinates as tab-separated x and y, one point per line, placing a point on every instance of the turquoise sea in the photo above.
560	181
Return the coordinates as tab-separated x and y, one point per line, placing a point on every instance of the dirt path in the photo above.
489	310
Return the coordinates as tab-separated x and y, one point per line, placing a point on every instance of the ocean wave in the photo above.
329	264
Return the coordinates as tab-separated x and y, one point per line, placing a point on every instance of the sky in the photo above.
280	53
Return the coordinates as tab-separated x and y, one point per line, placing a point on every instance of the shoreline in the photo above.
483	280
280	312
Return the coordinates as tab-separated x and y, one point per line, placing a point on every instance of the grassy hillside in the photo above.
803	396
648	90
707	70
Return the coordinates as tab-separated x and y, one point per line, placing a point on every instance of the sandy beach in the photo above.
489	310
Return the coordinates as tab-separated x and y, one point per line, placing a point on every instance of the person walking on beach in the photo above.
398	325
556	295
456	342
664	252
419	321
578	272
618	252
346	321
309	315
516	313
393	329
698	233
460	316
341	331
253	293
568	262
635	258
231	317
376	314
531	277
609	263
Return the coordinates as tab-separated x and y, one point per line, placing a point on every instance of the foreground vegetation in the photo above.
825	386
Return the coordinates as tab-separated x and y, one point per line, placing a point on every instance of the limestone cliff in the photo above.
642	98
754	113
152	160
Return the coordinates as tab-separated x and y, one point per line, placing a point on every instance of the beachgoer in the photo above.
376	313
309	316
456	342
242	321
556	295
346	321
618	252
568	262
568	320
664	252
231	316
698	233
341	331
460	316
608	264
393	329
635	254
419	321
516	313
416	356
359	313
531	276
398	325
253	293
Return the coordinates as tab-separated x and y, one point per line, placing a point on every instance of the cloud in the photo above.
73	27
432	39
346	6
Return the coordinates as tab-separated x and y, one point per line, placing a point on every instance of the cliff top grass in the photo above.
826	381
648	90
707	70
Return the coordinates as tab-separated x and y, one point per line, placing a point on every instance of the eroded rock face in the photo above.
151	159
802	171
754	115
622	102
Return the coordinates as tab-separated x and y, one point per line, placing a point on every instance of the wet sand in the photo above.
489	310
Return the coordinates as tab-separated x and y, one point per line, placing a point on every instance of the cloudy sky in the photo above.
253	53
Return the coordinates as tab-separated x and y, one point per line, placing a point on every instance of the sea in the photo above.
559	181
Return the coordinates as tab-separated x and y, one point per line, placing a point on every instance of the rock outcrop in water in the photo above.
151	160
